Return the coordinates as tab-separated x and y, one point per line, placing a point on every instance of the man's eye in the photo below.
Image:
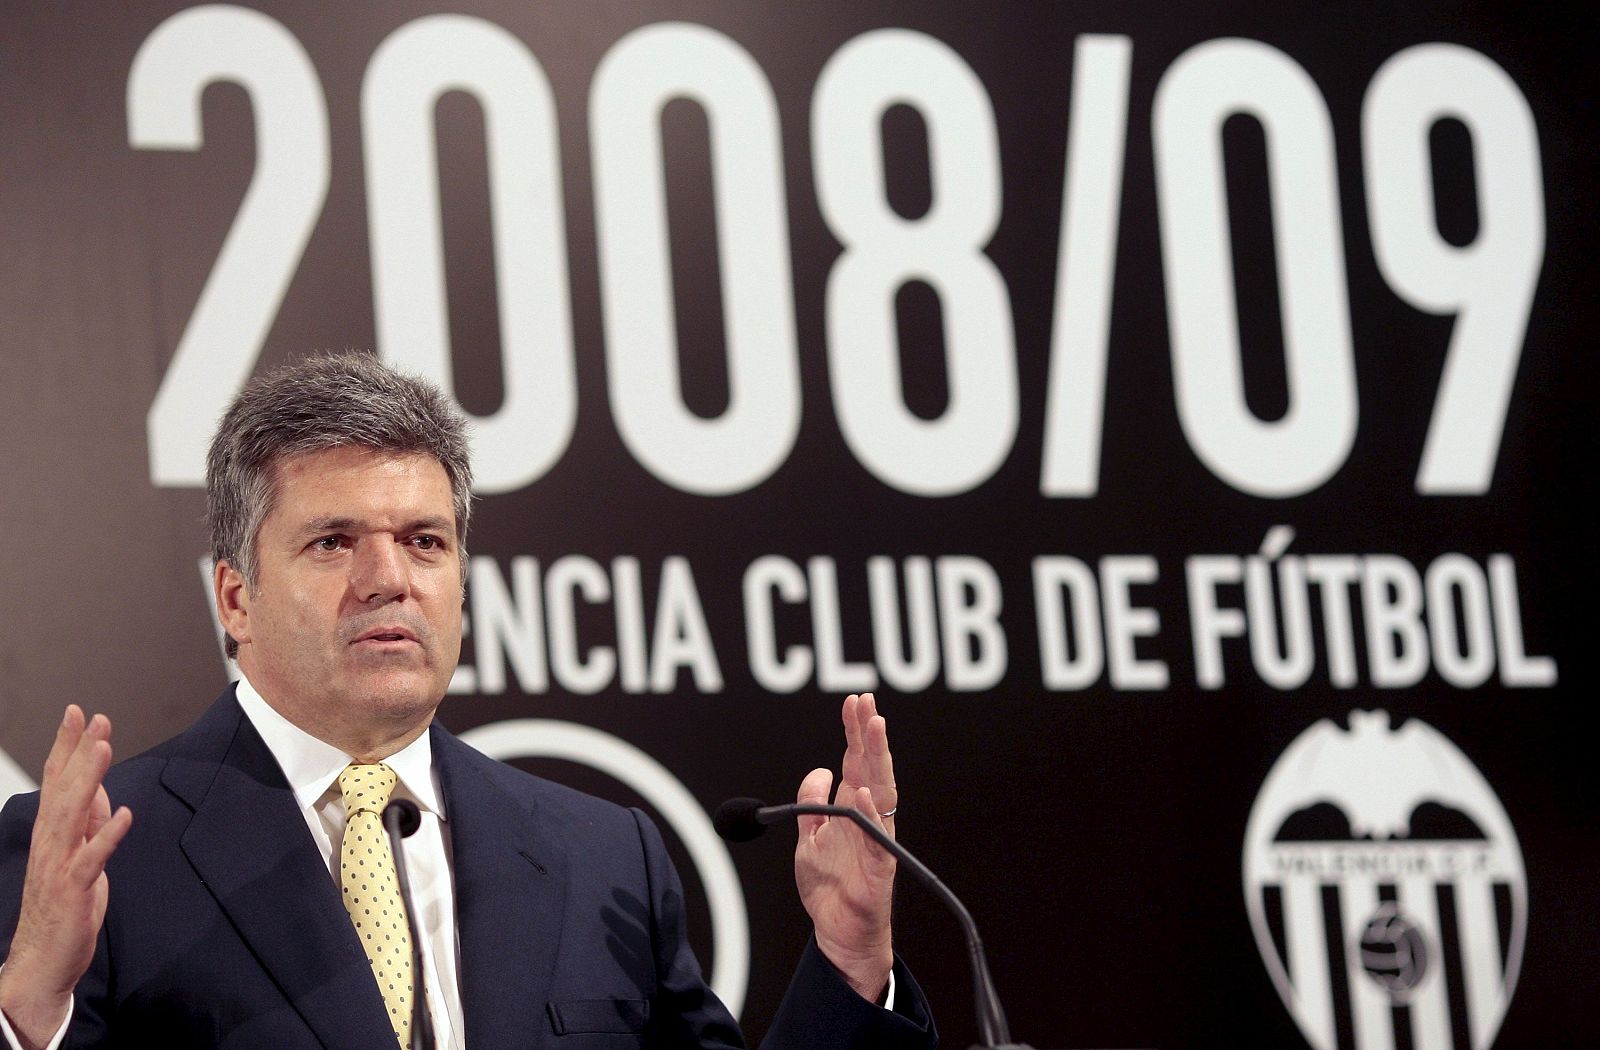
427	543
327	543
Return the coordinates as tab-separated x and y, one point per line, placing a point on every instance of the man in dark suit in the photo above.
238	912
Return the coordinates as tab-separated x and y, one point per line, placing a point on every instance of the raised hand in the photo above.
65	890
846	881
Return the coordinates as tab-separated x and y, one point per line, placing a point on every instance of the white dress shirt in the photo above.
312	768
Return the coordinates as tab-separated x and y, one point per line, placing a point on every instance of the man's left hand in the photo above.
846	880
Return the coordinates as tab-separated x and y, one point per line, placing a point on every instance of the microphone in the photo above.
739	819
743	819
408	814
401	819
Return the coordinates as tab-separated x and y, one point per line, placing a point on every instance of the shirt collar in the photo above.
311	765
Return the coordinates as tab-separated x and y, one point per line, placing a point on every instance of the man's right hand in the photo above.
64	893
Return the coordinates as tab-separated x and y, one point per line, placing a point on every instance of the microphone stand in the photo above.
401	819
993	1031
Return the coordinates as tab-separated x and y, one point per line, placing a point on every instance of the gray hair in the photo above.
324	402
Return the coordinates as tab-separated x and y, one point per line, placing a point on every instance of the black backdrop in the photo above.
885	349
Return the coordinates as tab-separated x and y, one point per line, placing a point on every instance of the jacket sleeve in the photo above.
820	1011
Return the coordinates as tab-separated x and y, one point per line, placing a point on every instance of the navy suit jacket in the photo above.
224	929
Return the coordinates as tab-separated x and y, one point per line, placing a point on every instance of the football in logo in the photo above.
1393	952
1385	888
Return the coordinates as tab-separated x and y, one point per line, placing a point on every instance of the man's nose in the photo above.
379	571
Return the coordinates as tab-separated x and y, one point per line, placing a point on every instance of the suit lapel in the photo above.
250	846
510	878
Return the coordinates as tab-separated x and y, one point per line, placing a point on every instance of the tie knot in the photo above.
366	787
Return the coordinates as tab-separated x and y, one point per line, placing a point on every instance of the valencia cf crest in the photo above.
1386	889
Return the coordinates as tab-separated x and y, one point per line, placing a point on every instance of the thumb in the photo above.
813	791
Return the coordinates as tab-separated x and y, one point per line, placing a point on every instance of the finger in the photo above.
880	765
91	859
100	808
851	715
87	763
851	771
867	708
67	734
813	792
863	802
66	817
99	811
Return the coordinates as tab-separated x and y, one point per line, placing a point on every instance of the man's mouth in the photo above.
387	634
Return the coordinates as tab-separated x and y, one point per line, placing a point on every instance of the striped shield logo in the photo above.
1385	888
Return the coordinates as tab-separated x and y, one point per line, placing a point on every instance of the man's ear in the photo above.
233	600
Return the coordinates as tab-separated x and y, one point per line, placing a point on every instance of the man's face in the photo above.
354	624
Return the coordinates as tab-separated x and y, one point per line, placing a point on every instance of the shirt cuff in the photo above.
61	1033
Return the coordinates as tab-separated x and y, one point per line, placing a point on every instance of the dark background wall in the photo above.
1281	309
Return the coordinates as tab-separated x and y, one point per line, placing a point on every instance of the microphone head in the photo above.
736	821
410	816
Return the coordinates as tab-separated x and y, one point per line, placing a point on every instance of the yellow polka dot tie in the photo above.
372	893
